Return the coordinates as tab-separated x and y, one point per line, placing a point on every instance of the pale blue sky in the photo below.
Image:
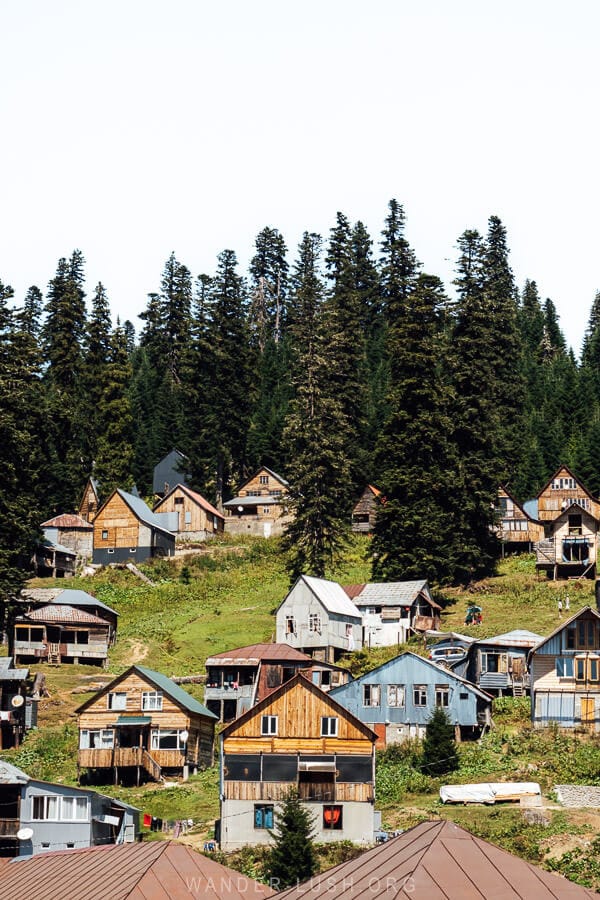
131	128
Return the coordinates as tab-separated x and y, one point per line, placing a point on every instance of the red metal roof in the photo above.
56	613
438	861
354	590
68	520
257	652
157	870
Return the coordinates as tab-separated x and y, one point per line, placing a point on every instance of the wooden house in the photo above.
90	500
260	505
58	627
570	548
238	679
52	560
18	704
142	723
391	611
298	738
170	471
436	860
499	664
126	530
365	511
561	491
565	674
398	698
40	816
195	518
516	528
318	617
71	531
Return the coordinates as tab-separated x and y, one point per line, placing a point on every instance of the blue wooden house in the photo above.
565	674
398	698
498	664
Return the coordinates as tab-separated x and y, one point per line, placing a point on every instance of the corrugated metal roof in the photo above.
134	720
73	597
332	596
9	774
438	861
64	613
255	653
153	870
175	691
45	542
392	593
195	496
520	637
68	520
267	500
7	673
142	511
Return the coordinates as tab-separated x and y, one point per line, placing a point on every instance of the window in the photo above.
275	493
263	816
420	694
464	696
105	535
96	739
586	668
564	667
188	517
45	807
395	695
571	633
152	700
371	695
263	479
74	809
178	501
253	493
332	818
117	700
268	725
564	484
314	622
329	726
110	550
169	739
290	625
494	662
66	809
442	695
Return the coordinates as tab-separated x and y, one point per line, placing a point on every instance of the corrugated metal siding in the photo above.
553	647
555	707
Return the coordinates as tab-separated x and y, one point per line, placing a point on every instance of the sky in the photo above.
134	128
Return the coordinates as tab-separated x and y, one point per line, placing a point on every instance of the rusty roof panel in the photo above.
255	653
55	613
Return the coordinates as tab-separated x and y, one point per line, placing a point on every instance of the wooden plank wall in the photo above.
98	715
200	520
121	524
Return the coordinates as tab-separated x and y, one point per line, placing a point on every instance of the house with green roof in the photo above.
142	725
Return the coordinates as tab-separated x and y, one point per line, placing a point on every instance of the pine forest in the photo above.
337	364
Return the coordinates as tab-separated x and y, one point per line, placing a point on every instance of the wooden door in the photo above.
588	711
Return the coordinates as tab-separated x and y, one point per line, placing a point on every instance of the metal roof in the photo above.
64	613
7	673
332	596
134	720
174	691
267	500
68	520
256	653
9	774
392	593
520	637
151	870
142	511
193	495
437	861
72	597
52	545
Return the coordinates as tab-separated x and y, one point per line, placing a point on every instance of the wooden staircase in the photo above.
54	654
518	689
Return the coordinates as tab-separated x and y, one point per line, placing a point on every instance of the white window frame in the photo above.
56	808
420	695
314	622
263	479
110	700
442	695
372	695
106	739
329	726
157	733
152	701
269	725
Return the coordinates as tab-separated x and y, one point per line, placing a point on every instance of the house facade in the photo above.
499	665
39	816
142	724
90	500
561	491
260	505
318	618
297	738
398	698
238	679
195	518
516	529
391	611
565	674
570	547
365	511
71	531
126	530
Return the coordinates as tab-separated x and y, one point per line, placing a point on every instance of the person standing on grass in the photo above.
560	608
567	604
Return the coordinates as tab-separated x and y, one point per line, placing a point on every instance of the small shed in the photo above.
498	664
365	511
73	532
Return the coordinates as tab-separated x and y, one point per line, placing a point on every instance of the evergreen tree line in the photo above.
352	366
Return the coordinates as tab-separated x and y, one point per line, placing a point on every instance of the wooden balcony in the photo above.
9	827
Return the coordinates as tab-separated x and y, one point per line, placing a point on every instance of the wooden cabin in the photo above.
398	698
238	679
498	665
71	531
297	738
561	491
318	618
195	518
516	529
565	674
391	611
90	500
170	471
260	505
126	530
143	724
365	511
52	560
570	548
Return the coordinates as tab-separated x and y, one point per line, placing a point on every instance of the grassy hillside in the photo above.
226	597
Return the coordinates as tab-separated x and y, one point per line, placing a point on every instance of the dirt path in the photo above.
139	651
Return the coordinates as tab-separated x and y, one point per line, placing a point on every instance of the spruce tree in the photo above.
292	859
114	460
439	755
31	314
269	286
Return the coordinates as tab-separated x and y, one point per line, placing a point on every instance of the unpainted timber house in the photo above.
142	724
297	738
516	529
570	548
90	500
238	679
260	505
365	511
565	674
126	530
195	519
562	490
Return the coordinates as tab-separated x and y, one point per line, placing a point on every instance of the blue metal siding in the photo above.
555	707
552	647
